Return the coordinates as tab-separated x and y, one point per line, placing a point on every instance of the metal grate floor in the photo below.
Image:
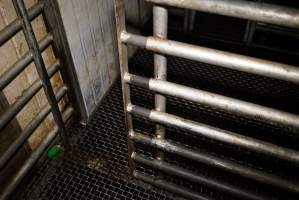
98	169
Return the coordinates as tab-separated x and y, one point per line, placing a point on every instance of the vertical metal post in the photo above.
192	20
186	20
189	20
249	32
160	62
123	62
41	69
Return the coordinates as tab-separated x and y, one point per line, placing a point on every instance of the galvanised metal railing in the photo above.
267	13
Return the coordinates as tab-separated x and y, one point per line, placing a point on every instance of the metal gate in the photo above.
23	23
159	44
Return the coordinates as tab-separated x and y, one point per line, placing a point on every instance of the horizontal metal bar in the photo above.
263	12
34	157
277	30
22	63
16	25
216	162
191	176
184	192
277	50
13	110
231	105
217	134
28	130
215	57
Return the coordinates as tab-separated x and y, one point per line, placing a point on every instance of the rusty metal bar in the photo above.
28	94
13	71
41	69
216	162
215	57
123	61
29	129
34	157
263	12
15	26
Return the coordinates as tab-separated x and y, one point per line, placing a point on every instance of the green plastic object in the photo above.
54	152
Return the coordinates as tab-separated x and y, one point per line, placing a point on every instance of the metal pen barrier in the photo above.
34	157
40	66
161	46
23	23
22	63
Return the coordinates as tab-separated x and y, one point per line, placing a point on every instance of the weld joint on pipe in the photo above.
127	77
124	36
130	107
131	134
133	155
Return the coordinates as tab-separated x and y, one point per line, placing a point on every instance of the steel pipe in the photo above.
231	105
41	69
160	19
249	32
28	130
169	186
277	30
219	163
189	20
22	63
262	12
123	64
191	176
16	25
215	57
28	94
34	157
216	134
